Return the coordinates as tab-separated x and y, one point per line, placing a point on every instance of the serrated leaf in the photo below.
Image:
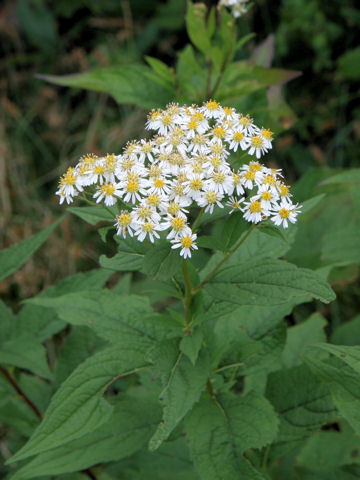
12	258
119	319
221	429
266	282
191	344
92	215
161	261
183	384
78	407
303	405
300	337
134	84
126	432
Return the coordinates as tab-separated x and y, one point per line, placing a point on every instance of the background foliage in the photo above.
46	128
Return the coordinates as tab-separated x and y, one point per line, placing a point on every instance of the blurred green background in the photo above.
44	128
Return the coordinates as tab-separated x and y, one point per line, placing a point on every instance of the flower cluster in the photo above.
156	181
237	7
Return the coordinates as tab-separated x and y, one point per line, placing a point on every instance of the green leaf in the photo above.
119	319
308	205
191	344
300	337
221	429
183	383
161	69
348	333
303	404
78	407
191	76
234	227
196	26
348	64
342	247
25	351
127	431
92	215
42	322
266	282
130	256
134	84
328	450
161	261
14	257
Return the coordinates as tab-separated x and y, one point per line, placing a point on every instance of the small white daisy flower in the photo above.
186	243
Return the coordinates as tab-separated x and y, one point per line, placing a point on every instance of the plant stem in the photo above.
22	394
226	257
221	73
265	458
197	220
208	83
188	294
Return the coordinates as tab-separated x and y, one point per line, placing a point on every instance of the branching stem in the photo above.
188	294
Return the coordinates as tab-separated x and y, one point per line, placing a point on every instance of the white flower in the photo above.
209	198
178	225
257	145
254	211
212	109
237	138
186	242
147	228
235	203
284	212
266	197
124	223
108	192
221	181
134	187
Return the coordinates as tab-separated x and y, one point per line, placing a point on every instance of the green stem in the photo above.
93	204
221	73
188	294
226	257
197	220
265	458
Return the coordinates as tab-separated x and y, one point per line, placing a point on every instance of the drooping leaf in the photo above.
134	84
127	431
183	384
266	282
14	257
221	429
78	407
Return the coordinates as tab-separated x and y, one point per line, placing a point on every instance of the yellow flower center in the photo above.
238	136
107	189
284	190
267	133
249	175
216	161
212	105
166	120
148	227
199	139
159	183
196	184
198	116
236	179
192	124
99	170
270	180
211	197
217	149
284	213
255	167
246	121
186	242
177	223
153	200
173	208
127	164
132	186
219	132
255	207
147	148
257	142
219	177
144	212
228	110
266	196
124	219
236	205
